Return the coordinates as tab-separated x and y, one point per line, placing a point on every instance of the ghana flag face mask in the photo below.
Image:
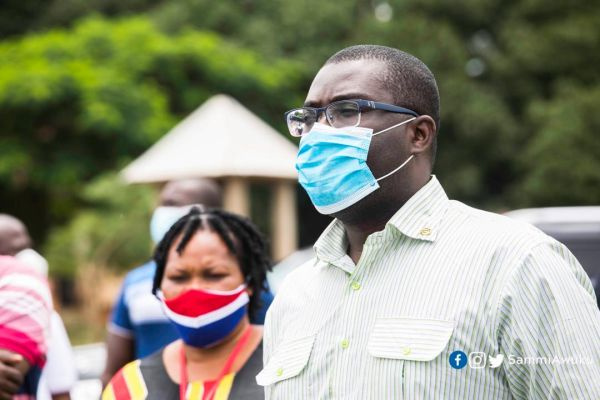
205	317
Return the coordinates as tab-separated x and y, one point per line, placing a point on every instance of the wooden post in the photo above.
284	221
236	196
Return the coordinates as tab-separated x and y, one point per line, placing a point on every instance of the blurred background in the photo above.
87	86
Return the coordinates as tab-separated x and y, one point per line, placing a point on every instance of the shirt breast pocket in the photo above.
400	345
412	339
283	372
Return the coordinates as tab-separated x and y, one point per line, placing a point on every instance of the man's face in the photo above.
361	79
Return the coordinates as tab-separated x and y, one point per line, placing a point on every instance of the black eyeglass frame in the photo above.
361	104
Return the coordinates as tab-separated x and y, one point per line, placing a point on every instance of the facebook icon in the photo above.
458	359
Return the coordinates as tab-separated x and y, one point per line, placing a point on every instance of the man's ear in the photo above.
424	131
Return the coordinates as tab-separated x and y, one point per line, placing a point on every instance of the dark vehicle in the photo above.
577	227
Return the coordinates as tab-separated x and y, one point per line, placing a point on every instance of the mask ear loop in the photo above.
407	160
395	126
397	169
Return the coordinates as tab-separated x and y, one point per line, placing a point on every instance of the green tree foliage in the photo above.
76	103
562	160
112	232
518	82
544	69
499	67
475	119
72	108
19	17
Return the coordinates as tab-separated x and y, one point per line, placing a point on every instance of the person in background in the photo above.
211	271
14	236
138	326
59	374
25	308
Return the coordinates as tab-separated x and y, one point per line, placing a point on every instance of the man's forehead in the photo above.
176	193
348	79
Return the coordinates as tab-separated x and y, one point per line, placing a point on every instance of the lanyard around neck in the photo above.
226	368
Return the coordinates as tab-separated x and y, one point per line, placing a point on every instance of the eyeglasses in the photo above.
339	114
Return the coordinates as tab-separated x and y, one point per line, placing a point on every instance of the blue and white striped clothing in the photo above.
440	277
138	313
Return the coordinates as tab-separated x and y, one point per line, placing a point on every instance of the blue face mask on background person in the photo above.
332	166
163	219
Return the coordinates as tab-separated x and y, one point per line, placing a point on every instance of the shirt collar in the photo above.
332	245
418	218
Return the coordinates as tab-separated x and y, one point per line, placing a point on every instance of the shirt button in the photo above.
345	343
355	285
406	350
279	371
425	232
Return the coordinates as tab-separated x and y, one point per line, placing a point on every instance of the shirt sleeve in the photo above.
549	327
60	372
120	323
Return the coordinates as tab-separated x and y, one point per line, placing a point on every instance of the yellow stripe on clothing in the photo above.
195	391
224	387
108	393
135	381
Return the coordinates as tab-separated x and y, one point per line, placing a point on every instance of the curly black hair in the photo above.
241	237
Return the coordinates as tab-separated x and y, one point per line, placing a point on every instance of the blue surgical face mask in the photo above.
163	218
332	166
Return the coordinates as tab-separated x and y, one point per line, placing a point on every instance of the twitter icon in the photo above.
495	362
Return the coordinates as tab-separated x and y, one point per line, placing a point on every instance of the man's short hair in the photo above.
409	80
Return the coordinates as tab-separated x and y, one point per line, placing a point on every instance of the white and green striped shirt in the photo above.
440	277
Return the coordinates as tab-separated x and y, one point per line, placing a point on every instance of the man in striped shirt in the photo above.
412	295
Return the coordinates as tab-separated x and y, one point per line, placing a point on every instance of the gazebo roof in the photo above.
220	138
